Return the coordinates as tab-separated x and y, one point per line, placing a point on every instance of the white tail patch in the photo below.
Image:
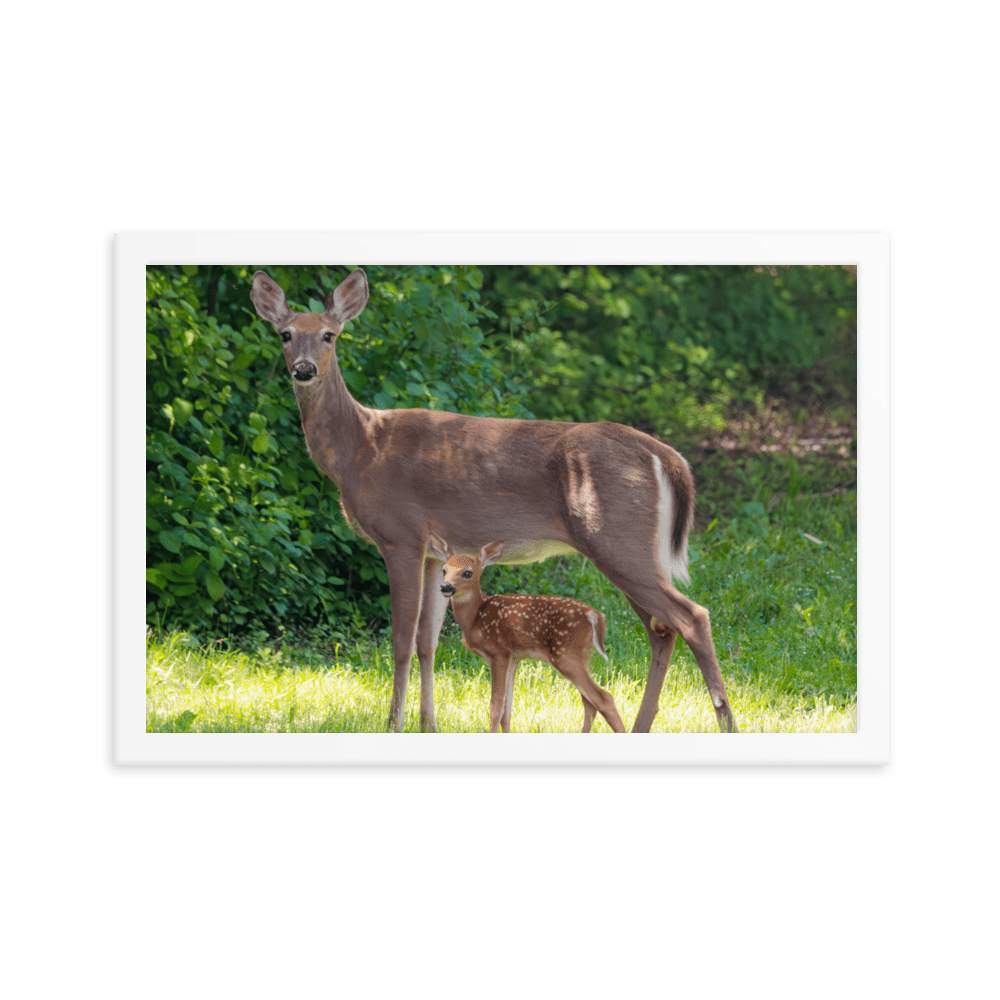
592	616
671	565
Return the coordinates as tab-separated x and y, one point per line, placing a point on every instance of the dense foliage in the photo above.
242	529
244	533
669	349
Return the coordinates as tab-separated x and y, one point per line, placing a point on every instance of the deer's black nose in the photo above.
303	371
447	588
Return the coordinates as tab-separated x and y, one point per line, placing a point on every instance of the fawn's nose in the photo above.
447	588
303	371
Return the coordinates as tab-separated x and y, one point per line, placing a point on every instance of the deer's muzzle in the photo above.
304	371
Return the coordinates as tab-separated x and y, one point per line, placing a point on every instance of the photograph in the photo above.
518	498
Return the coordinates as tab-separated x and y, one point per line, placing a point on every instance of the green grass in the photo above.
784	620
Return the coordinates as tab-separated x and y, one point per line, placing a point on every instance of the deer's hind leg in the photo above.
574	668
661	645
677	614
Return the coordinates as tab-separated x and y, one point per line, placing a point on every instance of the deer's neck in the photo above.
333	422
466	606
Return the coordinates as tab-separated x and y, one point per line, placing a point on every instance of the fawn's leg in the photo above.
509	698
499	669
574	667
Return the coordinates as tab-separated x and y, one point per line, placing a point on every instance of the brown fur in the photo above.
542	486
506	628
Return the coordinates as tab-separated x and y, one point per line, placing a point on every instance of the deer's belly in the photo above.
531	654
527	653
533	551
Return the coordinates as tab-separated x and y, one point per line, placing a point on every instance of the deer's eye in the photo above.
328	336
285	336
467	574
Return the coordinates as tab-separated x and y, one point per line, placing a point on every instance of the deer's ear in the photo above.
269	300
439	548
347	300
490	554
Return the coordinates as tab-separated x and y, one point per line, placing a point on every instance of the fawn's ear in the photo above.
439	548
348	299
490	554
269	300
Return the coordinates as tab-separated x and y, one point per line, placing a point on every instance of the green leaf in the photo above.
261	443
170	571
182	410
190	564
169	541
215	444
257	421
216	557
355	380
242	360
214	585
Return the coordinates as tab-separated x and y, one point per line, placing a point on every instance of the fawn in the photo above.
506	628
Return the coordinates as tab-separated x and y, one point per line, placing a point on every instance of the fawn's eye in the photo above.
467	574
328	336
285	336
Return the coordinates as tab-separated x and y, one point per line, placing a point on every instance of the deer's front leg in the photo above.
405	570
432	609
499	669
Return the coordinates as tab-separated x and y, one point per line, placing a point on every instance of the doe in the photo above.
619	497
506	628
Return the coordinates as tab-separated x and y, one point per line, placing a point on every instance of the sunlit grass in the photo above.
784	620
193	690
